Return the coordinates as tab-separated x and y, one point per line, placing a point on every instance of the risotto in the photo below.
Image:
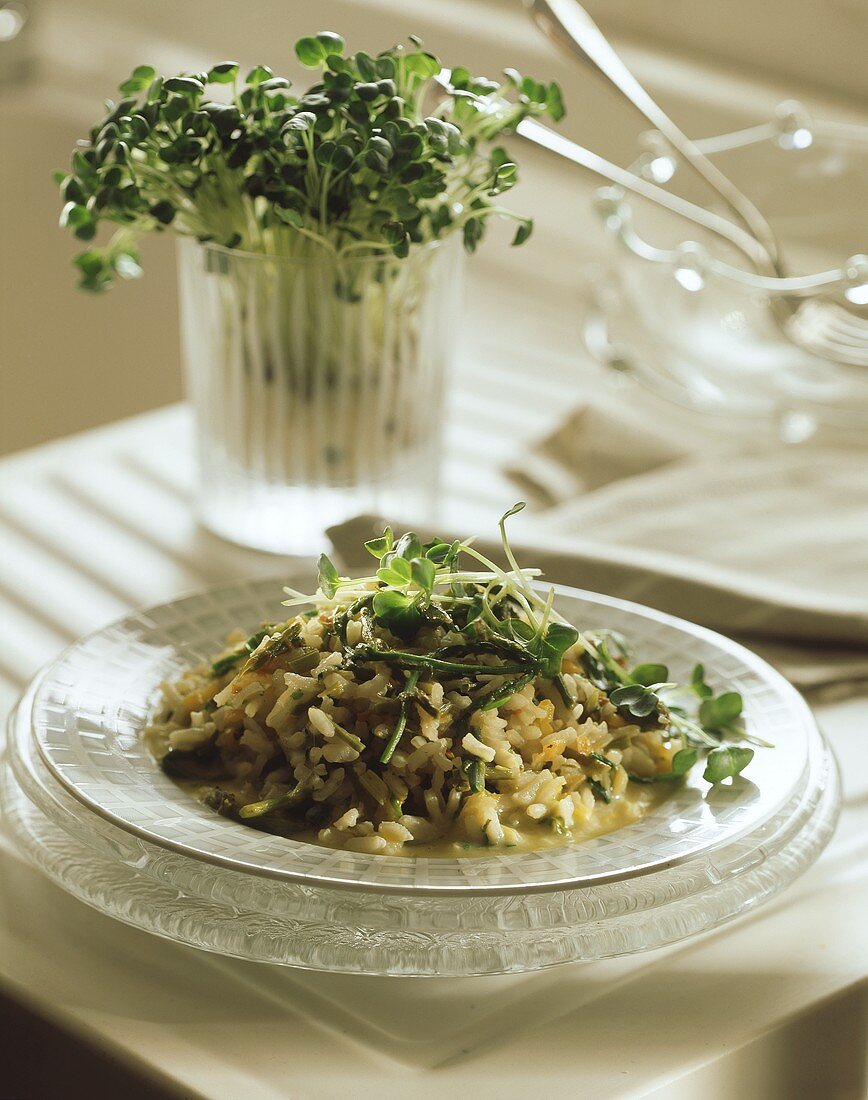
431	708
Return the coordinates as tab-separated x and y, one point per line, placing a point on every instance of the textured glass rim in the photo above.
327	259
410	875
184	900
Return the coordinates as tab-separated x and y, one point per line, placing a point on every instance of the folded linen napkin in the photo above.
593	447
771	548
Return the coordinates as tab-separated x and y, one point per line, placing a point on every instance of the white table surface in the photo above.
93	525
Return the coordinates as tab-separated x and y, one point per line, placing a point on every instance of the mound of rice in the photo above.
290	740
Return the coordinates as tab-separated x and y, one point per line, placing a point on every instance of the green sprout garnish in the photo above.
726	763
501	614
722	713
416	583
697	683
364	162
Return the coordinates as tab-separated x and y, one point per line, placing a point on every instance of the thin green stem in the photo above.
426	662
401	724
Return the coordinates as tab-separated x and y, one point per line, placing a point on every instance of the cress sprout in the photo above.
366	161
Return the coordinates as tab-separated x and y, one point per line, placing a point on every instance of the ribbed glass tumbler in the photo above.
318	384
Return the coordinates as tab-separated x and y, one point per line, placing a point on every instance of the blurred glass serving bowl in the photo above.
680	311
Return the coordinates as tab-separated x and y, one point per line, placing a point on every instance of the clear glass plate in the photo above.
86	802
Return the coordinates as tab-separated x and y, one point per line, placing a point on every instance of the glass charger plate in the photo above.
89	806
92	704
369	931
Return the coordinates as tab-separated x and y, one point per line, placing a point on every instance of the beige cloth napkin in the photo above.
593	447
770	547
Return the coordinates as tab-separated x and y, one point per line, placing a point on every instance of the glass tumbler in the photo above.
317	384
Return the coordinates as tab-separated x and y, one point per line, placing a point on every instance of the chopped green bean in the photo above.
272	805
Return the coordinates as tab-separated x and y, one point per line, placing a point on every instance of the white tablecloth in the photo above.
94	525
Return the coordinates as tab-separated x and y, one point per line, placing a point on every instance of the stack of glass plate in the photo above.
89	806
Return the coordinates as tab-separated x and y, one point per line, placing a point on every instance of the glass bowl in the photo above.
88	805
682	312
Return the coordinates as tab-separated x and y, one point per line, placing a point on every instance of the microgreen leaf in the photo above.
436	550
309	52
473	231
649	674
422	64
382	545
223	73
140	79
396	236
408	546
163	211
683	761
505	177
398	572
517	629
523	232
635	701
513	511
473	611
726	762
127	266
423	572
557	640
327	576
555	102
183	85
698	684
718	713
259	75
397	612
330	43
